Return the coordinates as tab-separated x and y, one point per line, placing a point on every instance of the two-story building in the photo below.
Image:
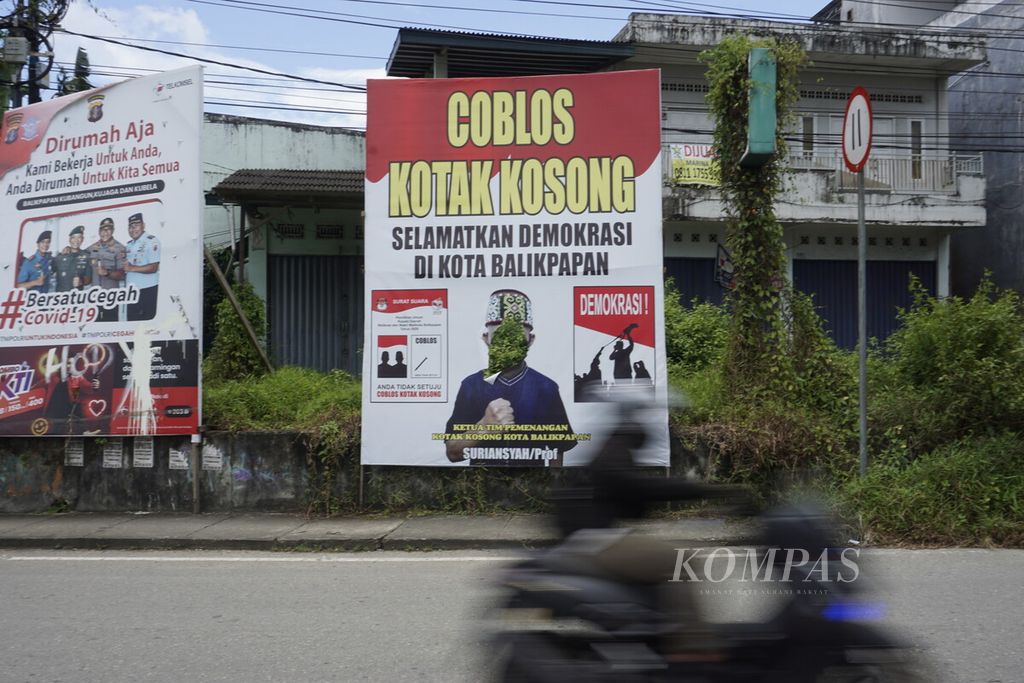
919	194
302	220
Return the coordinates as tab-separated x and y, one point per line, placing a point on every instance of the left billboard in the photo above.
101	261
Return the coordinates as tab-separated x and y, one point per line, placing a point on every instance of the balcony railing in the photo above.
901	175
910	175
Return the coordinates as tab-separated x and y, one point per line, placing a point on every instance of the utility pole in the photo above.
33	53
27	42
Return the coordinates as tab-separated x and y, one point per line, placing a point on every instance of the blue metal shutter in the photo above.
315	311
695	278
889	290
833	283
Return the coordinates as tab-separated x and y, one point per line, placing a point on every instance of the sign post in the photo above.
857	130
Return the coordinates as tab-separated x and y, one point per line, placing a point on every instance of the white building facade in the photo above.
918	193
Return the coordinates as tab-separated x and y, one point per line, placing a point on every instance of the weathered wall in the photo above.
986	112
259	472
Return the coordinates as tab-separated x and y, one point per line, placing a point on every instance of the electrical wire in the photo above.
251	48
285	76
354	88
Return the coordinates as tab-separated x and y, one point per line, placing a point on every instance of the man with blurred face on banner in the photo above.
508	397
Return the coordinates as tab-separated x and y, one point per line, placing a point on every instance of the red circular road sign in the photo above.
857	130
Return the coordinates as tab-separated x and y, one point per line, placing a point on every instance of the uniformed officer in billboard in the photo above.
142	268
108	261
35	272
73	267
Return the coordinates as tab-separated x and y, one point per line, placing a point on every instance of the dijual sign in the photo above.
532	205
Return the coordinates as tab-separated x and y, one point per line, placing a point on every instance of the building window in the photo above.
915	149
808	136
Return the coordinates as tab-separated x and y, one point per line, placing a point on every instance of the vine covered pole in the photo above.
751	105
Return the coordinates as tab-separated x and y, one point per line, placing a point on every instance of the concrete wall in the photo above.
987	112
259	472
900	12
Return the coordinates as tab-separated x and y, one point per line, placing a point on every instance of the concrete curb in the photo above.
293	533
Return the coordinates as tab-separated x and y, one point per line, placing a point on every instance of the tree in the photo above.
80	80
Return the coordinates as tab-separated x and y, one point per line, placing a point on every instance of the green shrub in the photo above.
824	377
289	398
232	355
768	445
695	337
956	368
967	492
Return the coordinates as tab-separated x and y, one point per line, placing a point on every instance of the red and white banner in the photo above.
101	312
535	200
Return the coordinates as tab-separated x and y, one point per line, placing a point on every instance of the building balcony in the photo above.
940	191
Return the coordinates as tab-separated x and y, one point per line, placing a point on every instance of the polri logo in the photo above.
96	108
13	128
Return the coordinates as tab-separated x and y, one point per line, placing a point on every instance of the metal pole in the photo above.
862	321
361	478
196	469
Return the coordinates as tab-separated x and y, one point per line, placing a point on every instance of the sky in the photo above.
334	41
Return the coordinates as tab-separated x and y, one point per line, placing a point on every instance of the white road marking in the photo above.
129	558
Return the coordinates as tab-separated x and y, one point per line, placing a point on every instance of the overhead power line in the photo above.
353	88
252	48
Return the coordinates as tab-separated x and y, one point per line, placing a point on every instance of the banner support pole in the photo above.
360	487
196	469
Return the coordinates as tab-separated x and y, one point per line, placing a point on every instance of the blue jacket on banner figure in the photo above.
36	271
496	413
142	268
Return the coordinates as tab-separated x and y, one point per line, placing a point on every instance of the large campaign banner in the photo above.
101	251
513	269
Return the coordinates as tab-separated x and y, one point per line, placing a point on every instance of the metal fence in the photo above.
902	175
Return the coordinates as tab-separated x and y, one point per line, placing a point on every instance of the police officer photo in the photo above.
36	271
108	261
73	268
142	268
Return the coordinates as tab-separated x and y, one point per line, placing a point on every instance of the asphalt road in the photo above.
195	616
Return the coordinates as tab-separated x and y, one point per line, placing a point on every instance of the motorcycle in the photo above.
584	625
606	604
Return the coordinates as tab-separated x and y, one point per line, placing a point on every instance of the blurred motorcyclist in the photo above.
615	490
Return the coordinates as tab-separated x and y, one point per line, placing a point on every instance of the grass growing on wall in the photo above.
323	408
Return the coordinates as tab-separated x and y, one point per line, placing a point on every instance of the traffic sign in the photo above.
857	130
